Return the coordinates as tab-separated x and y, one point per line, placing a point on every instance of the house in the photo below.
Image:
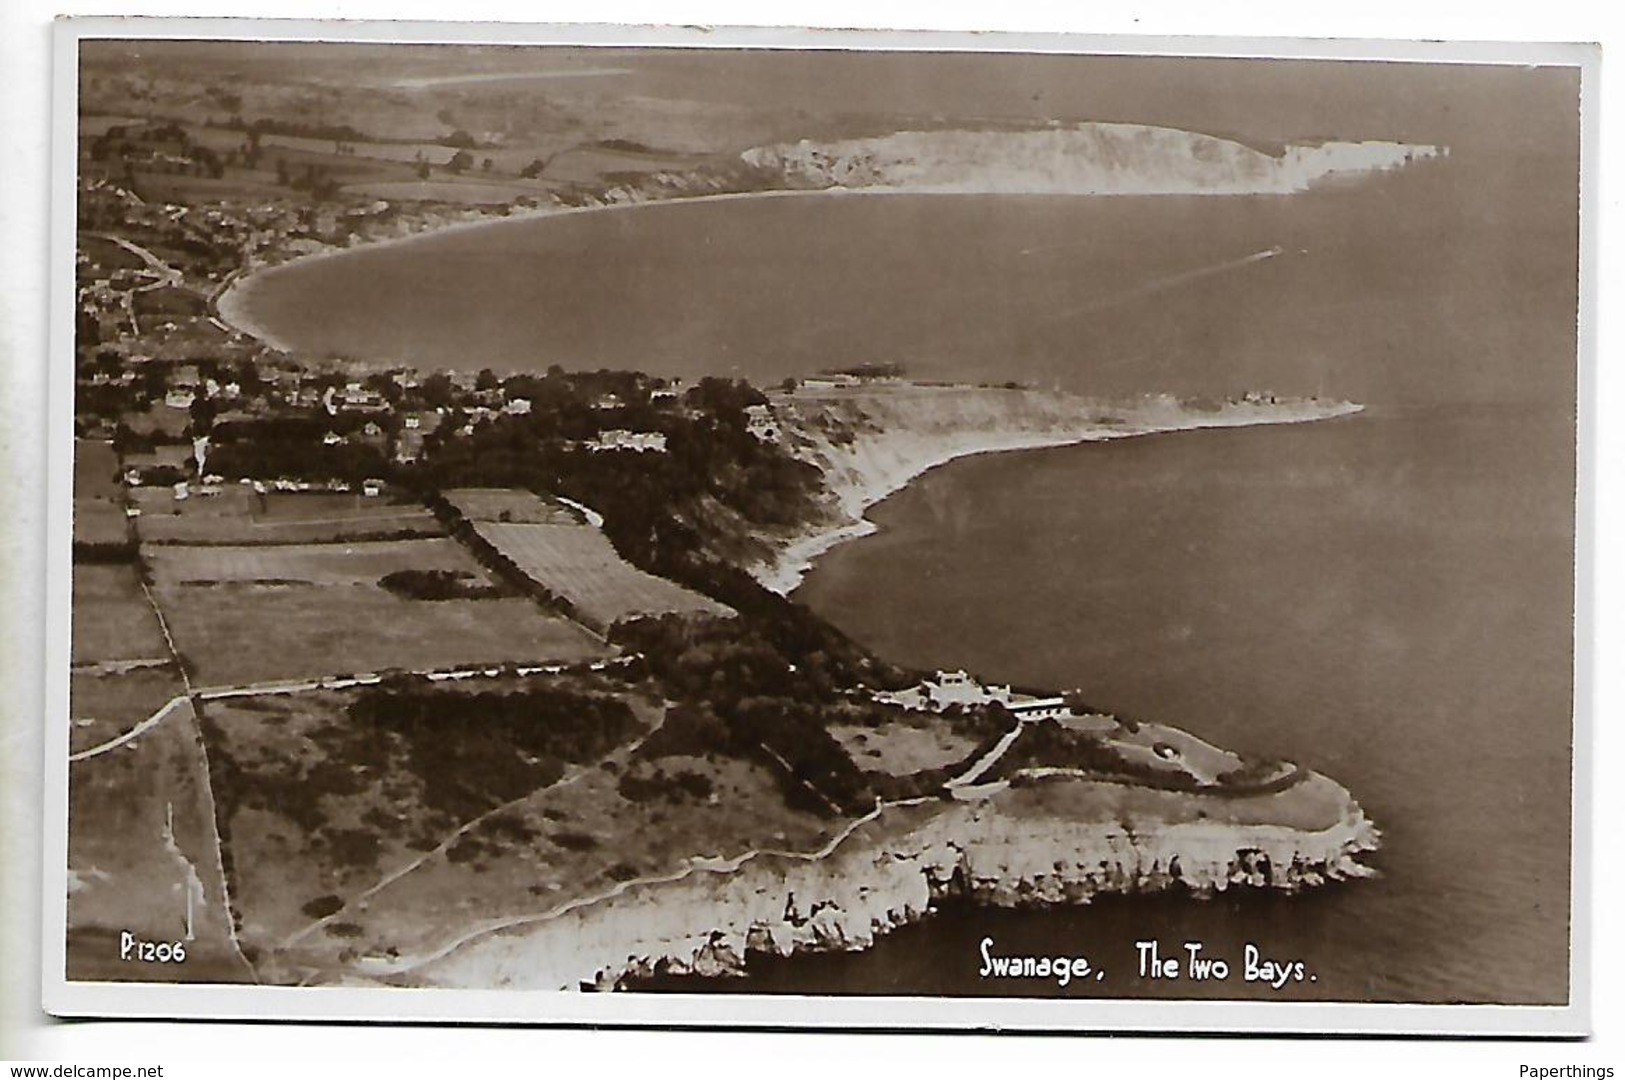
954	688
621	439
1034	708
836	381
409	442
759	422
948	688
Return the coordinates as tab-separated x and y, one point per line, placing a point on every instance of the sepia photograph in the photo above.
811	528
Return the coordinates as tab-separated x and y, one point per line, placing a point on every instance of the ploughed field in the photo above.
568	558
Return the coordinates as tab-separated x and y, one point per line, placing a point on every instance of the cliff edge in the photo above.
1083	159
869	440
1045	843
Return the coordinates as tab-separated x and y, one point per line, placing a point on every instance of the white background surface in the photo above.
269	1049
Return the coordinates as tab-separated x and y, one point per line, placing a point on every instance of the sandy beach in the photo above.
235	299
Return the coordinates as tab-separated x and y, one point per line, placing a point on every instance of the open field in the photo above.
1316	803
361	563
94	124
1179	752
901	749
111	617
586	164
95	470
303	800
98	506
573	843
315	798
103	706
237	515
317	790
99	521
142	855
510	505
469	192
578	564
235	626
237	184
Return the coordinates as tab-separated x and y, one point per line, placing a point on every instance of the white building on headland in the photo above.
948	688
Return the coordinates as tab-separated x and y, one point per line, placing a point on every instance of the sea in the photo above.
1387	597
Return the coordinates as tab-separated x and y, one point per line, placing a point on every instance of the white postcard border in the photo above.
65	998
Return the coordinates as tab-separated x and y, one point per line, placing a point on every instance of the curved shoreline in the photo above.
798	555
232	301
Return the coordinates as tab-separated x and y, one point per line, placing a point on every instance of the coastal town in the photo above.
443	676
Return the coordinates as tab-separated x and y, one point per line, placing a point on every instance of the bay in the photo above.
1386	598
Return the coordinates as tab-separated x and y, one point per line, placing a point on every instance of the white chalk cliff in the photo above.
1032	846
1085	159
870	441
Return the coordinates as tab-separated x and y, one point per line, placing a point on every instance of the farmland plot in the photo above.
578	564
510	505
314	789
111	617
307	564
104	705
95	470
239	515
98	497
254	614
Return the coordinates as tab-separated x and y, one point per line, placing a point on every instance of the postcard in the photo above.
571	524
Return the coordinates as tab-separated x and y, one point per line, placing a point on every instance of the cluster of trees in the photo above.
645	784
149	144
113	399
473	751
747	689
316	179
273	458
688	513
441	585
297	129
